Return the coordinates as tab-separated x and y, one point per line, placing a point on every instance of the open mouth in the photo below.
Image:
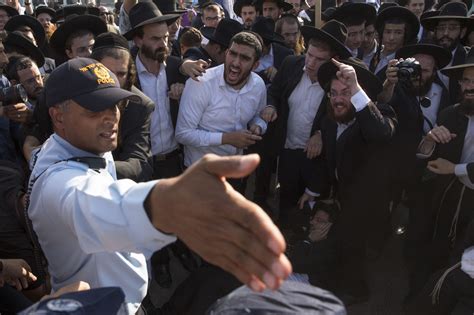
109	135
234	73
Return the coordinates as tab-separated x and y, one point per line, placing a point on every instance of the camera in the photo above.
13	95
408	69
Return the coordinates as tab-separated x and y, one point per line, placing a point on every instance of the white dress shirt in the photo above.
91	226
431	113
368	58
384	61
161	127
266	61
467	155
304	104
209	108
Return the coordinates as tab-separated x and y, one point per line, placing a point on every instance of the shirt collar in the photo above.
141	67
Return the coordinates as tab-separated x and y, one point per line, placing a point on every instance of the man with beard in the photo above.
449	27
158	78
44	15
450	147
221	113
354	133
247	11
289	28
24	71
272	8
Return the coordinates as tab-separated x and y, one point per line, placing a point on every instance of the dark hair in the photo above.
118	53
190	37
250	39
321	45
288	19
74	35
16	64
403	3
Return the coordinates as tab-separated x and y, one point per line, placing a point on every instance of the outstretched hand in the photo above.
221	225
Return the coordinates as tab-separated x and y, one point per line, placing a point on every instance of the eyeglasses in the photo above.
466	81
451	28
333	94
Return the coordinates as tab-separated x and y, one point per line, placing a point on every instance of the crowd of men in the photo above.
369	115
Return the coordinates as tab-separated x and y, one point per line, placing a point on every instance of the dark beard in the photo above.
466	106
159	54
452	46
345	118
423	89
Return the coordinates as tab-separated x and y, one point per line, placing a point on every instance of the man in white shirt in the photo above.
221	113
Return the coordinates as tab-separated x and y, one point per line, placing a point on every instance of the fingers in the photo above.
337	63
301	202
232	166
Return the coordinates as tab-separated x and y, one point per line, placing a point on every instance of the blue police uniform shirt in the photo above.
91	226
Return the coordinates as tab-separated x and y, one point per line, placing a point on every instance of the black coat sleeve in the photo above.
377	123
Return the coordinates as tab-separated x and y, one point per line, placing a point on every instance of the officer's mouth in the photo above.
109	135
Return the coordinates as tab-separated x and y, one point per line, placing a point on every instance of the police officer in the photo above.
94	228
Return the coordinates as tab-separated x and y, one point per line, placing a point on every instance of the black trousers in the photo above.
167	166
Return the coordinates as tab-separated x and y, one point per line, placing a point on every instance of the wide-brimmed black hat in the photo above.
223	33
168	7
441	55
280	3
428	14
265	28
364	11
15	22
401	13
88	83
441	3
44	9
386	5
17	40
73	23
144	13
242	3
326	15
450	11
73	10
10	11
333	32
457	71
110	40
369	82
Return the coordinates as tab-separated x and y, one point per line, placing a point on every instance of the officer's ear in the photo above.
57	115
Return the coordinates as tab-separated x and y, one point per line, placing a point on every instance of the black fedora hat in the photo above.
110	40
428	14
457	71
333	32
17	40
401	13
44	9
242	3
450	11
223	33
363	11
16	22
10	11
73	23
265	27
369	82
441	56
386	5
168	7
144	13
73	10
441	3
326	15
280	3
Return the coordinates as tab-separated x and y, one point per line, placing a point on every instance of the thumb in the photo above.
232	166
453	135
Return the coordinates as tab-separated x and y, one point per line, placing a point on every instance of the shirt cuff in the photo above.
215	138
460	170
309	192
360	100
261	123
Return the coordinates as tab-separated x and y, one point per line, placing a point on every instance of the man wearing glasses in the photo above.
449	27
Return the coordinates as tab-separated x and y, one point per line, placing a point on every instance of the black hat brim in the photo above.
21	20
281	4
88	22
168	18
442	56
102	99
309	32
400	12
367	80
456	72
10	11
431	22
239	4
24	43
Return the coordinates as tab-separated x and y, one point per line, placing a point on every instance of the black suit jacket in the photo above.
286	80
132	156
280	52
173	75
